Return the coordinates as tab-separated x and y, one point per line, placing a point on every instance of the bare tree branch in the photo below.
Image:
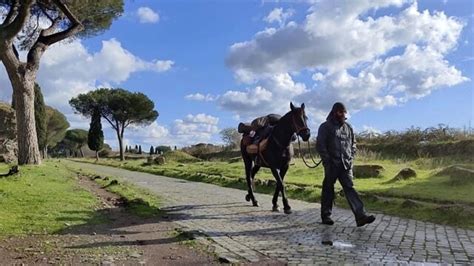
110	122
44	40
8	32
11	14
75	27
15	51
45	12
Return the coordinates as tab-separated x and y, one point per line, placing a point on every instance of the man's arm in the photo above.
353	146
321	144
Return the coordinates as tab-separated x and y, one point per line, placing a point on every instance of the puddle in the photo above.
340	244
337	244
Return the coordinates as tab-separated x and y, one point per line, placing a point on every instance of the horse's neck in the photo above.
283	131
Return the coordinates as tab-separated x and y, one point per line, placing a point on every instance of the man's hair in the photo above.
339	107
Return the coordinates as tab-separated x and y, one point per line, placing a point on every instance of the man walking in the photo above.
336	146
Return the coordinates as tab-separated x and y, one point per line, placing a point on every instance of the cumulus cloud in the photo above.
147	15
200	97
68	69
271	94
363	60
190	130
279	15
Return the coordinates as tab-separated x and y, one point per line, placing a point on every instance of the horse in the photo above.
276	156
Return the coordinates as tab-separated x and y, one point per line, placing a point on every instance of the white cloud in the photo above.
271	94
333	36
200	97
371	130
367	62
147	15
162	65
317	76
153	134
279	16
194	129
190	130
68	69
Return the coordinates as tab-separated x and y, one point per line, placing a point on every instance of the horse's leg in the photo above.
255	170
287	207
278	189
275	207
248	176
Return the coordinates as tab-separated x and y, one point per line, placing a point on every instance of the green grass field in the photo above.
43	199
47	199
438	200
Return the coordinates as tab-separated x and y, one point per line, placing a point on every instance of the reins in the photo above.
298	130
316	164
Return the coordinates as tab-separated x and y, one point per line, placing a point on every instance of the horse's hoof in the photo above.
276	209
255	204
287	210
247	197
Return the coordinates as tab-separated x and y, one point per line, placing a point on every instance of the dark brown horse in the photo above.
276	156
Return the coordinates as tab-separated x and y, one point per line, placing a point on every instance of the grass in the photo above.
43	199
439	200
138	201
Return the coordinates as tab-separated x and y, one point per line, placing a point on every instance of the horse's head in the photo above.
299	119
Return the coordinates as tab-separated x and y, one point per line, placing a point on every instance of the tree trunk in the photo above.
82	153
28	149
120	139
96	155
45	152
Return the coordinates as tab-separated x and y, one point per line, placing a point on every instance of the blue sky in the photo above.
363	53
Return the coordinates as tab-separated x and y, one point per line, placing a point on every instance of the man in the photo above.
336	146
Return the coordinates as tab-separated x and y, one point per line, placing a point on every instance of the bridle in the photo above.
298	129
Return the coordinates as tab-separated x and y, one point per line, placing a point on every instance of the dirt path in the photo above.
124	239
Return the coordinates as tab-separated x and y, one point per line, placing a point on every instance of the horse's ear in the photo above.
302	106
292	106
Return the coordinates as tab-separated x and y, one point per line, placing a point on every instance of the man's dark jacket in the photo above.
336	143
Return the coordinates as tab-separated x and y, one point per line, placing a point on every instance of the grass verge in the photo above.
43	199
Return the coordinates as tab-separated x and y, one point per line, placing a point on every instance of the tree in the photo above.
162	149
95	137
231	137
40	119
56	126
136	148
21	27
120	108
152	150
126	149
140	149
76	138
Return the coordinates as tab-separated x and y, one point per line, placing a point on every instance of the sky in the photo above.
209	65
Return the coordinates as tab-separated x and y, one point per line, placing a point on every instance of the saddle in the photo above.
263	126
269	120
257	148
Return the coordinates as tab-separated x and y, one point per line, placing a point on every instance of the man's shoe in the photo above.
366	219
327	220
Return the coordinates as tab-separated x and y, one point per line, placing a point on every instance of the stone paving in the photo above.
243	233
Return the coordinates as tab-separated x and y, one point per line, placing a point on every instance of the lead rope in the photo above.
310	154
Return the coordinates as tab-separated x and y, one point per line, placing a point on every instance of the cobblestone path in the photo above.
242	233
